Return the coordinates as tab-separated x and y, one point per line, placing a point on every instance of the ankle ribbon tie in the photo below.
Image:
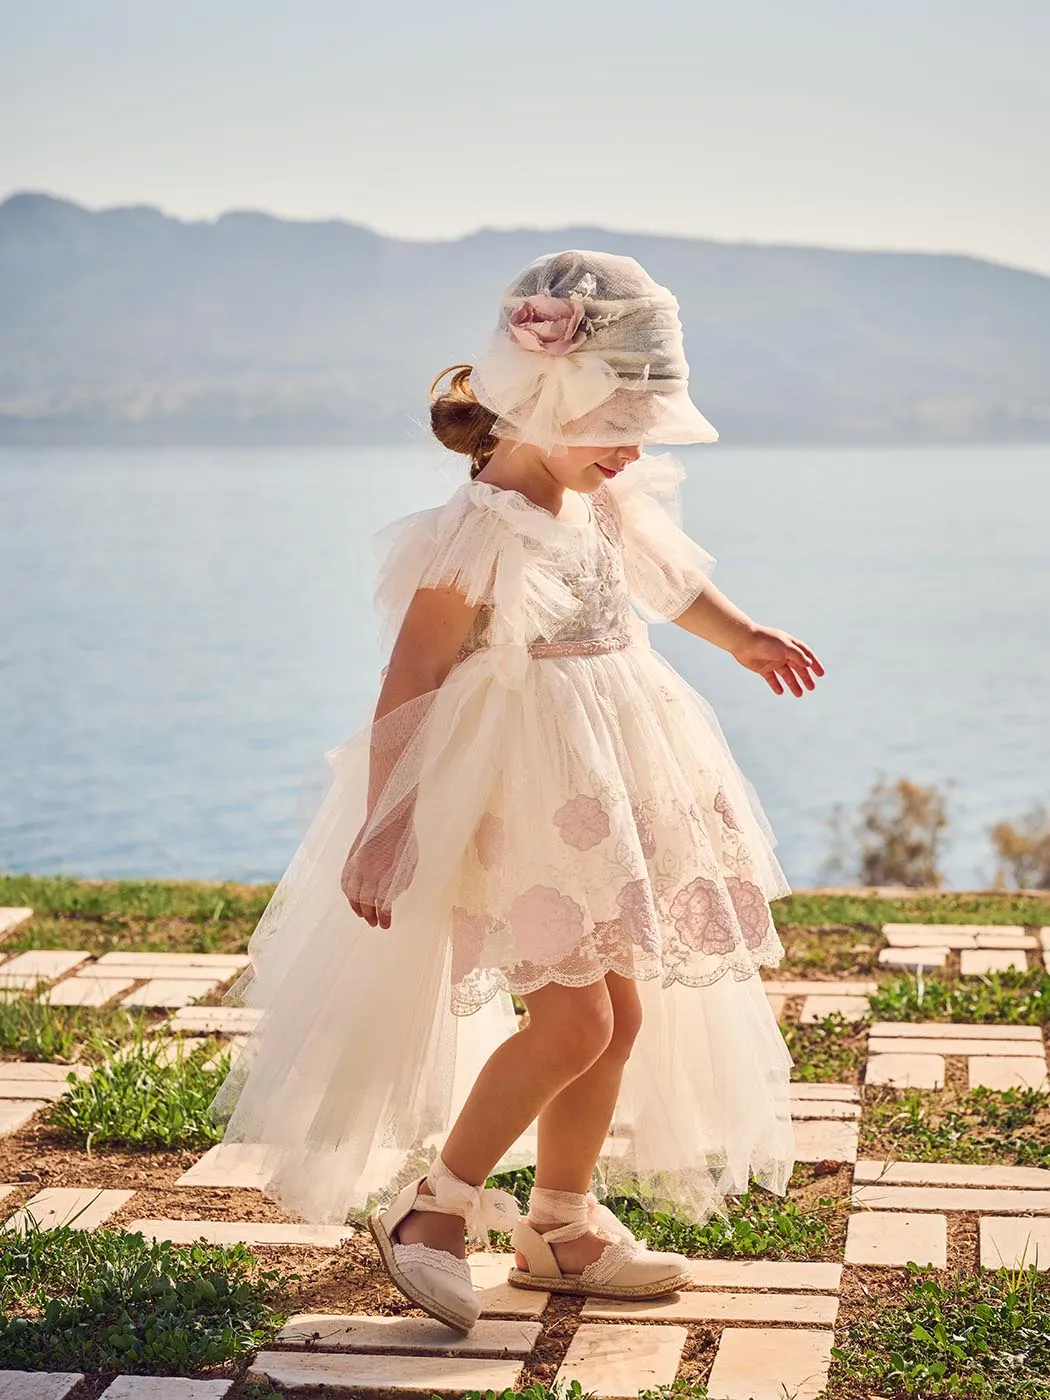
483	1210
575	1215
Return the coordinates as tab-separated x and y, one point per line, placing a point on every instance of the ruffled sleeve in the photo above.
666	569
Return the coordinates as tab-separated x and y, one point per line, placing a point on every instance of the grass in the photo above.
971	1338
869	912
832	1050
104	1301
33	1030
830	950
1013	998
1010	1126
140	1100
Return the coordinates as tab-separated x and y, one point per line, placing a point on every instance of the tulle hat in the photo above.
588	350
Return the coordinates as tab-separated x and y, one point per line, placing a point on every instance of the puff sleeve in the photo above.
666	569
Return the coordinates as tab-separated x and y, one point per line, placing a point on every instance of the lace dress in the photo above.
564	805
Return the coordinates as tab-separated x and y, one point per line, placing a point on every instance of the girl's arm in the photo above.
778	657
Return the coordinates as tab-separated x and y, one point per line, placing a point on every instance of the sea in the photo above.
185	633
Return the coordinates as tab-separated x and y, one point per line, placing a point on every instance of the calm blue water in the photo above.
183	634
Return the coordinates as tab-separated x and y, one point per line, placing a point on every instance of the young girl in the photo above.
542	807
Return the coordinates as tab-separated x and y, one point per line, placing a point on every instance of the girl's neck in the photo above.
518	466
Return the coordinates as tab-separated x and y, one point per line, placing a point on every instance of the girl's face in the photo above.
585	468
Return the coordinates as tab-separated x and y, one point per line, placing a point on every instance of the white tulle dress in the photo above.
564	805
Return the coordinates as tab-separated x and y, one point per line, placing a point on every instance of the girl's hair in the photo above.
459	422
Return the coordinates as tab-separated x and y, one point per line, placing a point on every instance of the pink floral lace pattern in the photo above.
546	922
583	822
489	841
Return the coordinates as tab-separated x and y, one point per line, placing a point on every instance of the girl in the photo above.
542	807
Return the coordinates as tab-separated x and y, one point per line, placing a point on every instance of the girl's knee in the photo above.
627	1021
576	1027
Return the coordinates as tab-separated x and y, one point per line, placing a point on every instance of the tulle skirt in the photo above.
568	816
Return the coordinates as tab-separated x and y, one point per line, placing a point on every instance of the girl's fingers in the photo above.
800	665
810	655
773	681
790	679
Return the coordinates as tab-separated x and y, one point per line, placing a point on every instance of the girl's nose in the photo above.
629	454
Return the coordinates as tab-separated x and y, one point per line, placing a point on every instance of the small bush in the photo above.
1023	850
895	837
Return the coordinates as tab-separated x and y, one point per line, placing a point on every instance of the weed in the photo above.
33	1030
984	1125
828	1051
1013	998
559	1391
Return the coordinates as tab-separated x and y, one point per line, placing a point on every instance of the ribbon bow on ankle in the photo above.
586	1213
482	1209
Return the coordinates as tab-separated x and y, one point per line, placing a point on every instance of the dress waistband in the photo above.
583	646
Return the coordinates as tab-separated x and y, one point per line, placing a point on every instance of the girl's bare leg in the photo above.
569	1032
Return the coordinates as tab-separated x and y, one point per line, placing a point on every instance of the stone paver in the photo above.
823	1140
776	1004
11	1089
762	1273
893	1239
6	1188
975	962
11	916
957	936
58	1205
823	1108
175	961
231	1020
237	1164
35	1071
913	957
488	1273
1003	1202
138	971
407	1375
1007	1072
925	1045
165	1388
701	1305
617	1362
407	1335
86	991
948	1174
820	989
817	1008
767	1363
38	1385
242	1232
45	963
170	991
14	1114
906	1071
844	1093
954	1030
1012	1243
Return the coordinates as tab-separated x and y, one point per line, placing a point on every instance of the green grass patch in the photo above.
1011	1126
1013	998
103	1300
831	1051
942	907
33	1030
141	1100
972	1338
830	950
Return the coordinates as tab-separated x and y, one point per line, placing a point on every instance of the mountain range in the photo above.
129	326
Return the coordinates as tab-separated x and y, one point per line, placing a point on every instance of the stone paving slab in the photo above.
14	1113
33	1071
815	1009
1010	1242
769	1363
175	960
6	1187
954	1030
957	936
11	916
57	1205
844	1093
46	963
814	988
86	991
38	1385
230	1020
894	1239
913	957
1008	1072
407	1375
165	1388
488	1273
764	1273
237	1164
170	992
976	962
242	1232
822	1140
776	1003
925	1045
701	1305
618	1362
19	982
1004	1201
906	1071
823	1108
11	1089
408	1335
190	973
948	1174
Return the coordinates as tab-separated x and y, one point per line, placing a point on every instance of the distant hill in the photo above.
128	326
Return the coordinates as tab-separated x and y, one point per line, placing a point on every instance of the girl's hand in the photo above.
779	659
363	881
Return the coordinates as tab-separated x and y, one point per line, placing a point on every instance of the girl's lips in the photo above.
606	471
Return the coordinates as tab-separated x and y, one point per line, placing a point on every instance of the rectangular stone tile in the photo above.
844	1093
12	916
50	1090
169	991
1007	1072
931	933
776	1004
1009	1242
948	1174
1044	939
242	1232
975	962
86	991
817	1008
46	963
230	1020
408	1335
38	1385
906	1071
925	936
913	957
954	1030
138	971
999	939
762	1273
823	1108
618	1362
488	1273
410	1375
176	961
892	1239
19	982
924	1045
58	1205
6	1188
229	1164
1001	1202
15	1113
165	1388
767	1363
35	1071
814	988
700	1305
821	1140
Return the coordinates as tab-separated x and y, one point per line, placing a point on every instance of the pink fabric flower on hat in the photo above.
548	324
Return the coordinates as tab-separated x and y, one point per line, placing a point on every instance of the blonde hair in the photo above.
459	421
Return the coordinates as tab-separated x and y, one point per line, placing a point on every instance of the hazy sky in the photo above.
864	123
